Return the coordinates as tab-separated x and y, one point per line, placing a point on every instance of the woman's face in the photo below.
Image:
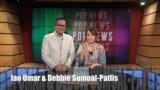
90	38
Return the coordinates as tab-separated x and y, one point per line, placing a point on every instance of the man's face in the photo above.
60	26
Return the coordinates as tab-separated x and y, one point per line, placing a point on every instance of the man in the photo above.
58	48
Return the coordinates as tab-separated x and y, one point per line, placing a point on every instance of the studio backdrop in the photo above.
112	26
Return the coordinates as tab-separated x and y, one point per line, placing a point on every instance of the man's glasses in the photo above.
59	25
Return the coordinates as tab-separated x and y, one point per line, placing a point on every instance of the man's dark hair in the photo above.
60	18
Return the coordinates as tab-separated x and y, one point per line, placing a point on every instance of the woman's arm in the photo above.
102	55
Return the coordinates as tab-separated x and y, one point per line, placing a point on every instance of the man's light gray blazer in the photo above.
51	52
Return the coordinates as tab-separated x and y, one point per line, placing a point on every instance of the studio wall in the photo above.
11	44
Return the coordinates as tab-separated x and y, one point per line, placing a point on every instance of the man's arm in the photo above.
71	54
45	54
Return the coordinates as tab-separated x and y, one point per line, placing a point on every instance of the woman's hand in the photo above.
87	47
95	65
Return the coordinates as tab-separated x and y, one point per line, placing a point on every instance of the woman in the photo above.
90	53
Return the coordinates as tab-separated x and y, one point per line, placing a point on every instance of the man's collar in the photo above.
59	35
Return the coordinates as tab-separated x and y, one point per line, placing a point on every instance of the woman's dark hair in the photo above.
92	31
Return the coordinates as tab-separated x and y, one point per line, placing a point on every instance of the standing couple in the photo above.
58	50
